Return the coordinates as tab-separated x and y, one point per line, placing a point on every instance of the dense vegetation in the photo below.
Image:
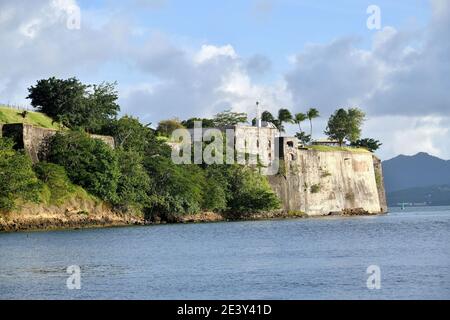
17	179
137	174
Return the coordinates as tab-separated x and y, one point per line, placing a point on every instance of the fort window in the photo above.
290	144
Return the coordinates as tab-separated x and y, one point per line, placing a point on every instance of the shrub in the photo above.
57	181
17	179
250	192
134	183
166	127
88	162
175	189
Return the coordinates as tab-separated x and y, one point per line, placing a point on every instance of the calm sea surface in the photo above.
288	259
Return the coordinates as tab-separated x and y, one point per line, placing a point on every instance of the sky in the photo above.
176	58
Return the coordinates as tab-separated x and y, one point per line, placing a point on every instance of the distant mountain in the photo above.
430	196
420	170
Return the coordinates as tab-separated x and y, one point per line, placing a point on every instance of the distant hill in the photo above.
430	196
419	179
420	170
10	115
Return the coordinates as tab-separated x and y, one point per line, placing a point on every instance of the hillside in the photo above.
430	196
420	170
9	115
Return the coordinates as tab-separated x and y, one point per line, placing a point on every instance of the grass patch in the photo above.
9	115
331	149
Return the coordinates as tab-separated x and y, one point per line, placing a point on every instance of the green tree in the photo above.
367	143
312	114
216	195
17	179
284	116
299	118
89	163
303	137
166	127
345	124
229	118
62	100
206	123
100	107
250	192
267	117
175	189
129	134
134	183
56	180
75	104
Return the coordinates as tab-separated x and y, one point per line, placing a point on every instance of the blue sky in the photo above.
196	58
274	28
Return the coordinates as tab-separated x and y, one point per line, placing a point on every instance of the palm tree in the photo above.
284	115
312	114
299	118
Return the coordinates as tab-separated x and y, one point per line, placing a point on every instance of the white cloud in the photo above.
198	83
402	80
403	76
208	52
410	135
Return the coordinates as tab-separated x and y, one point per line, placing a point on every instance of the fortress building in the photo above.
34	139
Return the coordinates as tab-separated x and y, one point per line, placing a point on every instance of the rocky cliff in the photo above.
331	182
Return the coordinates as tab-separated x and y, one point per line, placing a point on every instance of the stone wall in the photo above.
379	178
34	140
256	141
320	183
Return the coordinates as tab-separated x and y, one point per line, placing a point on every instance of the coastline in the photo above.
73	220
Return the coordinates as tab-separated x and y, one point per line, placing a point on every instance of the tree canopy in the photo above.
166	127
74	104
206	123
345	125
229	118
89	163
367	143
17	179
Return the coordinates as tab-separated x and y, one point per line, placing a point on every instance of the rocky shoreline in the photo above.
78	220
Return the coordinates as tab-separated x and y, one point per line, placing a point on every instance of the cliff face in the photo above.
320	183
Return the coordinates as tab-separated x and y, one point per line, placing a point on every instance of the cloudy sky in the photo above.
177	58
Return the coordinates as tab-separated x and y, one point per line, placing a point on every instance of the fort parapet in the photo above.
34	140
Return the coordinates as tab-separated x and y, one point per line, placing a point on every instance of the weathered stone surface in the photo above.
319	183
34	140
